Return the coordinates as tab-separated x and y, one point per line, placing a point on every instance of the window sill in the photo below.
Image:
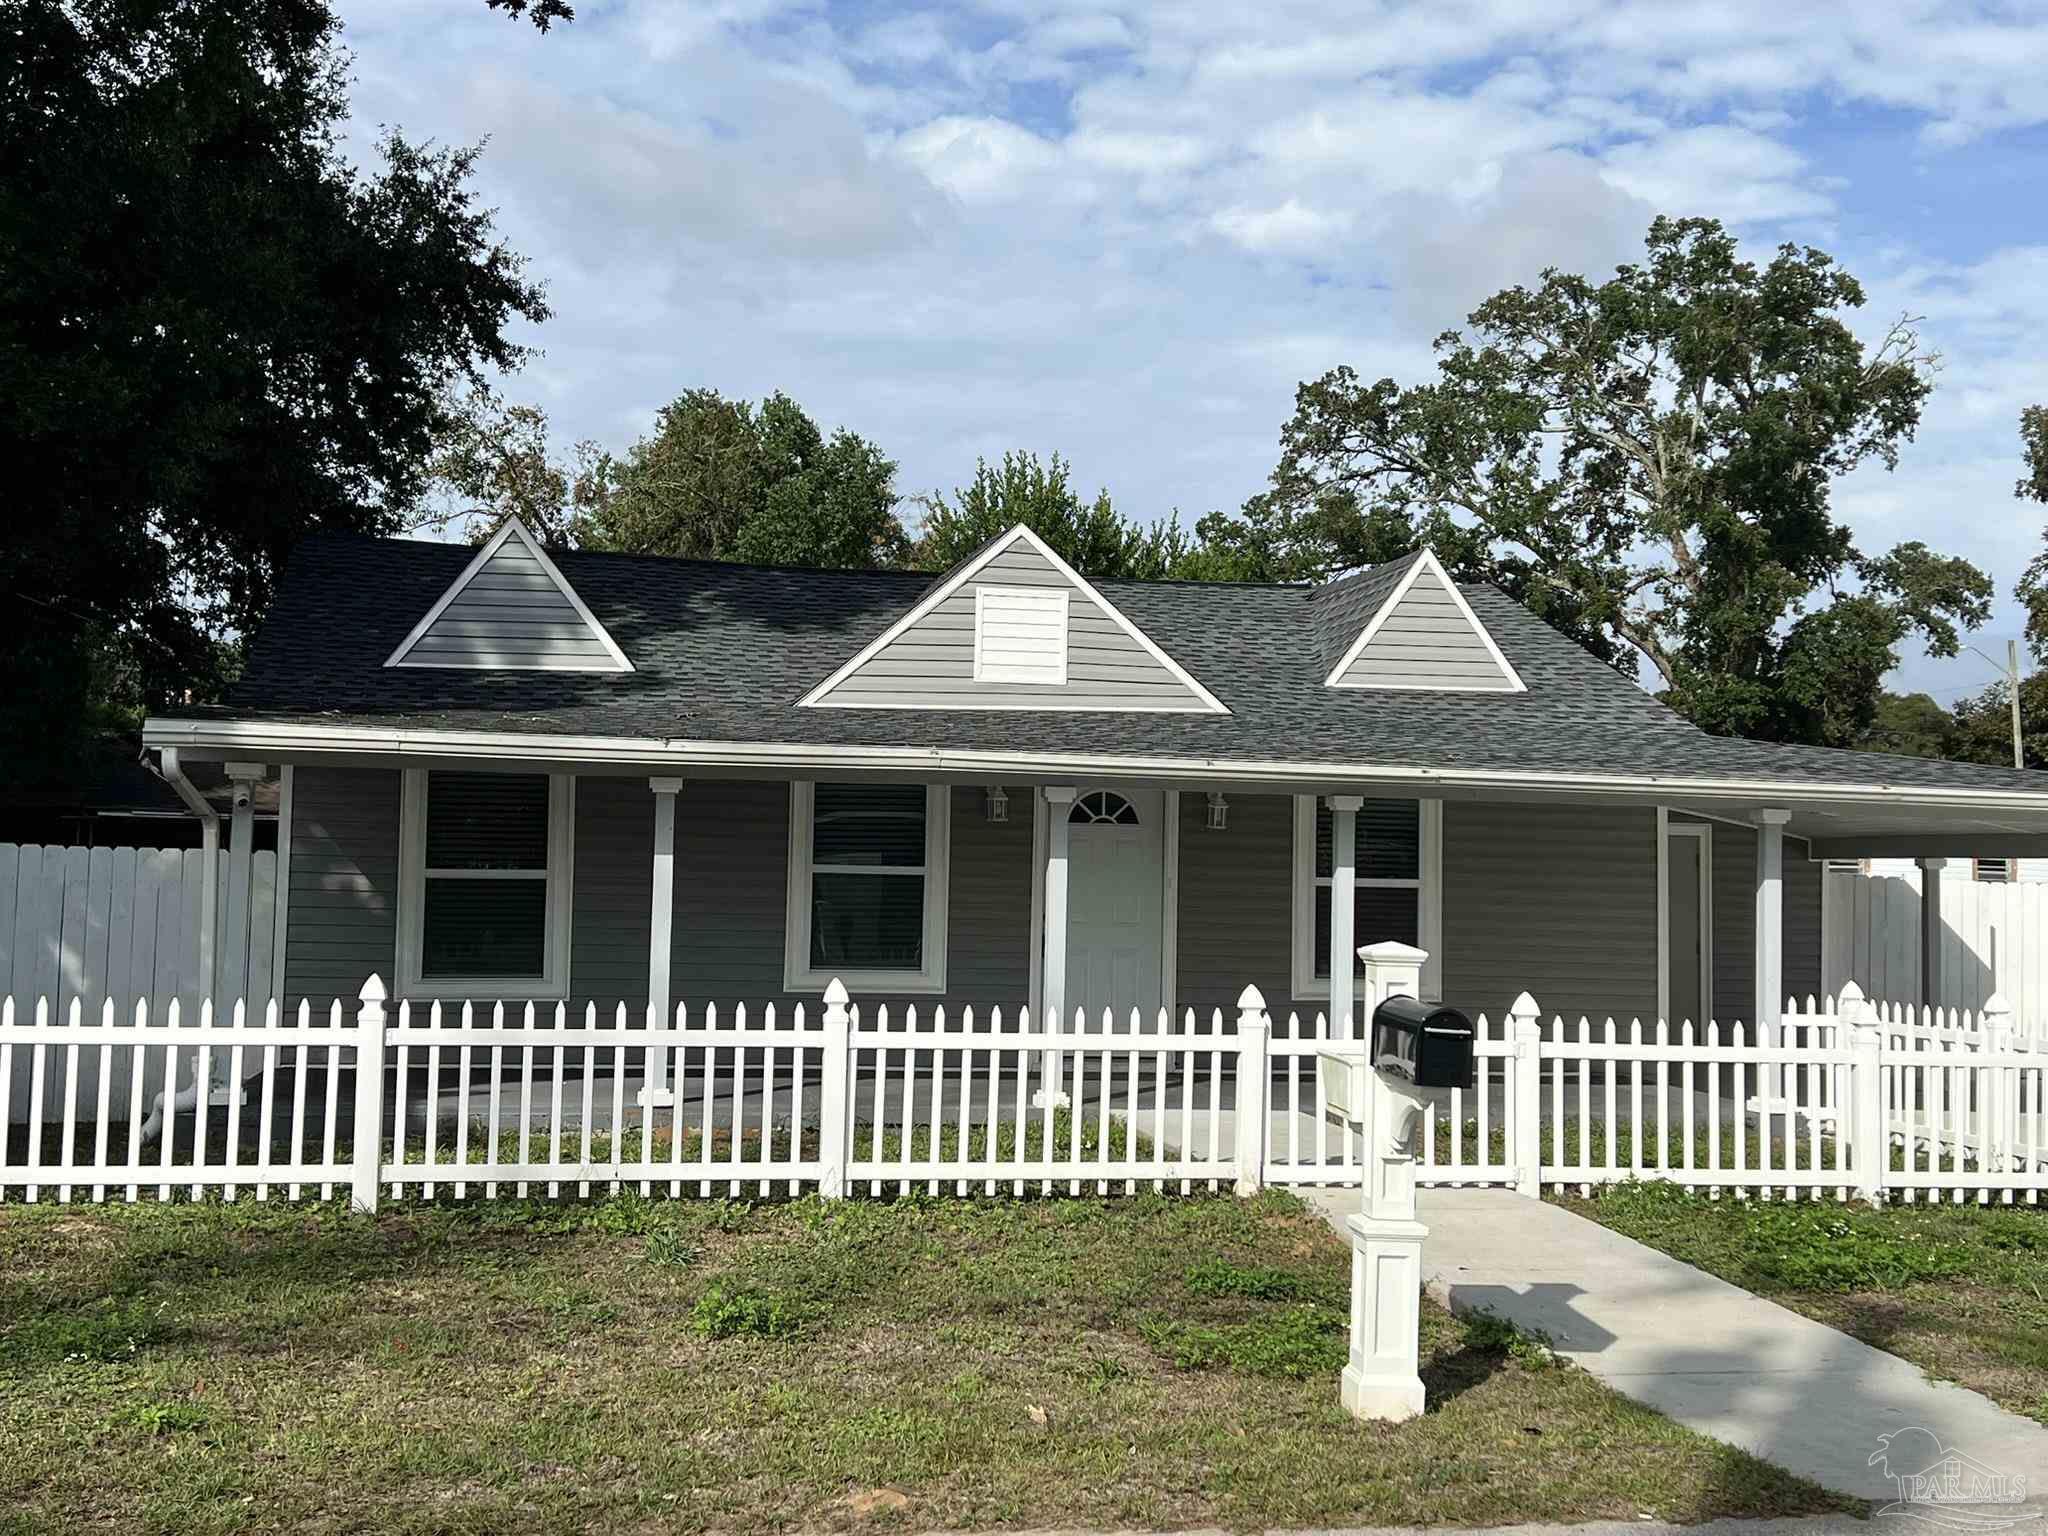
859	983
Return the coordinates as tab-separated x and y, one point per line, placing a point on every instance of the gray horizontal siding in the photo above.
611	920
933	660
1236	905
732	874
1426	642
1558	901
342	924
510	614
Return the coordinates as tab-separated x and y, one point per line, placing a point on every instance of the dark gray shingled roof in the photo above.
1343	608
723	653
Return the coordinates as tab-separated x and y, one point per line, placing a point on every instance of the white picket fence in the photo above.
1994	940
111	926
1850	1100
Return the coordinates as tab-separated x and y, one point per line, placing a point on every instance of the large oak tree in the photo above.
1649	462
216	335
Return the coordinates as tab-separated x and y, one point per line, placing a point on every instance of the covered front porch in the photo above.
479	880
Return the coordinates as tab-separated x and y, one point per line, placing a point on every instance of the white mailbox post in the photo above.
1382	1380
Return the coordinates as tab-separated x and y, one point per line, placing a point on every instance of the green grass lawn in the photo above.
627	1365
1961	1290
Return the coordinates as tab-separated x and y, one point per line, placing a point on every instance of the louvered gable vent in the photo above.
1014	627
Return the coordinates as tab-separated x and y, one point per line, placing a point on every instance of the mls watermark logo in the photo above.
1940	1484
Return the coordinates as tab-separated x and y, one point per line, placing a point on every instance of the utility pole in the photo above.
2011	671
2012	678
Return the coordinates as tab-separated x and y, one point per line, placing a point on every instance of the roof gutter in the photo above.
173	774
303	742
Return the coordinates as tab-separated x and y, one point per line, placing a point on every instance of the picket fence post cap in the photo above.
373	989
1251	1000
1997	1002
835	993
1850	993
1524	1007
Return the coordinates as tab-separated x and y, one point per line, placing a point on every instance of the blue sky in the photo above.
1126	232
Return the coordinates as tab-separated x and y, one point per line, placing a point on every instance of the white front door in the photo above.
1115	874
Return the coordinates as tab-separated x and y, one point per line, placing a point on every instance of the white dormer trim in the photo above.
818	696
1429	561
513	529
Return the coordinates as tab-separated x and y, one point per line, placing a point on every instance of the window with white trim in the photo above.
1396	864
484	883
867	886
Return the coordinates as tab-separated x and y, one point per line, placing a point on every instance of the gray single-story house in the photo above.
615	779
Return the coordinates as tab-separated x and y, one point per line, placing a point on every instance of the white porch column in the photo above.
1343	903
1059	803
655	1088
1930	931
1770	934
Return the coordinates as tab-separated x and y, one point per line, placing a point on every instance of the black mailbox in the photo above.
1427	1043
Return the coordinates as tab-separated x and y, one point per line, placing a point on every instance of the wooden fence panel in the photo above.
99	925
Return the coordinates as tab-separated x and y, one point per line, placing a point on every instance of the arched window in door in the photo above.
1103	806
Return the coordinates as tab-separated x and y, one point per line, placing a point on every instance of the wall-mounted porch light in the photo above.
998	803
1219	811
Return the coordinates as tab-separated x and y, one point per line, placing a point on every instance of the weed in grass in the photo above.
1220	1277
725	1311
671	1248
106	1332
1296	1343
1491	1334
171	1416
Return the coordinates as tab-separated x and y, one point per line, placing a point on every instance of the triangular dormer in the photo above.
1014	627
510	610
1421	633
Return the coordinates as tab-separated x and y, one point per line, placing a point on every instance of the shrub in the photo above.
725	1310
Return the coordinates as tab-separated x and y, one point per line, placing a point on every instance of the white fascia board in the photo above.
818	696
514	528
1428	559
212	740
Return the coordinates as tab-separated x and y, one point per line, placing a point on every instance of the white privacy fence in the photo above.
1994	939
111	926
1848	1100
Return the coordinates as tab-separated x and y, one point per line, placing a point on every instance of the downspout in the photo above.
171	1100
209	876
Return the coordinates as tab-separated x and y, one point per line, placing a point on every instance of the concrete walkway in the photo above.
1707	1354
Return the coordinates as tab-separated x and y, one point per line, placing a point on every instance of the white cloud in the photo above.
1128	231
1289	227
979	159
1721	170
